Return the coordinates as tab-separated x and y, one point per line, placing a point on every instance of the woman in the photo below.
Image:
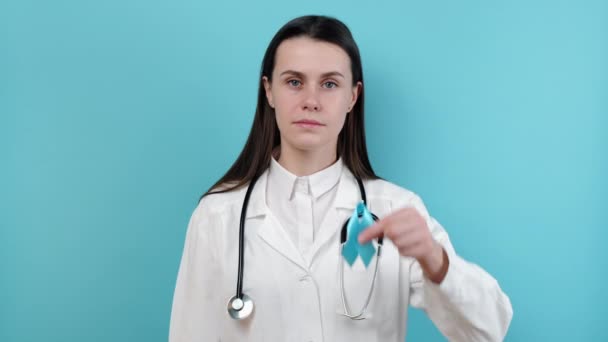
305	152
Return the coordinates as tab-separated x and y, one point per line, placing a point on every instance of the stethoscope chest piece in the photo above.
240	308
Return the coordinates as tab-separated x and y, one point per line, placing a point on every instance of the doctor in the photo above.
306	149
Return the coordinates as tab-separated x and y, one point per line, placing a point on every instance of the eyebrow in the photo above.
301	75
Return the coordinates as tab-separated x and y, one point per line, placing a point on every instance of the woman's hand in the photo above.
408	231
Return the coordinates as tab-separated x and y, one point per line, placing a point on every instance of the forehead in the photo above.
310	56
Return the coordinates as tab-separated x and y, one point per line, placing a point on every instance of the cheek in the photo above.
339	122
280	119
283	117
284	97
281	108
338	107
338	101
285	104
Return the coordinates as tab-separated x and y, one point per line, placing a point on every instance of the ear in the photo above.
267	89
355	95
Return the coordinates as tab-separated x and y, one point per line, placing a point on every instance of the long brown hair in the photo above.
264	136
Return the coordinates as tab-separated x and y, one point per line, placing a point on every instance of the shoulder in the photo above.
218	202
384	189
208	214
397	196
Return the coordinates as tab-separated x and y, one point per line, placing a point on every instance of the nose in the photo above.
311	100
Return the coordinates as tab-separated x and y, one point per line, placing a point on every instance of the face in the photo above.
311	92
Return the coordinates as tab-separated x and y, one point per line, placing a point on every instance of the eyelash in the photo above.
290	82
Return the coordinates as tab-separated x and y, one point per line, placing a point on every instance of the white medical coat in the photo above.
297	297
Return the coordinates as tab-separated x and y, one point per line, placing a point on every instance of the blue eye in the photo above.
330	84
294	83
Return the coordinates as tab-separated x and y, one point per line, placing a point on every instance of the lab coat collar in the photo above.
348	194
269	229
257	202
319	183
347	197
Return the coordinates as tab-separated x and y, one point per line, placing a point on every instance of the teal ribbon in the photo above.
360	220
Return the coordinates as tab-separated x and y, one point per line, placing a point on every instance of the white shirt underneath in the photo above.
301	203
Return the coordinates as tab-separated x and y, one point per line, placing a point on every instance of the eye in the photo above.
330	84
294	83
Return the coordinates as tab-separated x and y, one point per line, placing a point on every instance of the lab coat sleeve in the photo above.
195	312
468	305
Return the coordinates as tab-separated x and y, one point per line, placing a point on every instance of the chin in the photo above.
308	144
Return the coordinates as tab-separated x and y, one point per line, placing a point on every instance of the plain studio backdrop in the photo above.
115	116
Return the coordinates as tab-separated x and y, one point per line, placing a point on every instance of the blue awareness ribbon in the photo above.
360	220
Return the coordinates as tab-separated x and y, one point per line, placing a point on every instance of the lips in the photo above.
307	122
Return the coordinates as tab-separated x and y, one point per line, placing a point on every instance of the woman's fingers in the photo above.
406	228
391	226
374	231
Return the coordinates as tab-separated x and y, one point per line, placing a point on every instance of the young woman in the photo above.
271	227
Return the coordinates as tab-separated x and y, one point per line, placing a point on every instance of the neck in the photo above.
305	163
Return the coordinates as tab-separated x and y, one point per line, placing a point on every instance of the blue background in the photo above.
116	115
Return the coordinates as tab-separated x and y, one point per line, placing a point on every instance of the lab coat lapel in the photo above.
274	235
347	197
269	229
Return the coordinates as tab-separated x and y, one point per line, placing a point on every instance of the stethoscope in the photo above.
241	306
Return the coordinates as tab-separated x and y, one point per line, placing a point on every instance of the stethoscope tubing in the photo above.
240	306
239	282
